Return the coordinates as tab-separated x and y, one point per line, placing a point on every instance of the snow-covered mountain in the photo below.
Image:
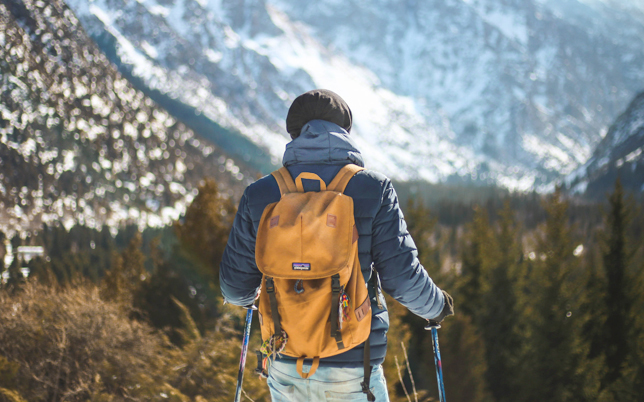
620	154
80	145
513	92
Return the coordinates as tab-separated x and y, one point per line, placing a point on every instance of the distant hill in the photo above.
619	154
78	144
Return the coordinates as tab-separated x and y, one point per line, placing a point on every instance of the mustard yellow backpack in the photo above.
314	297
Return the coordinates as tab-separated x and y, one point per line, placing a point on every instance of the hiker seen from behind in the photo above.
322	238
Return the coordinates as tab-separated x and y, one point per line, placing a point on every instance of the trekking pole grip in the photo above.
432	324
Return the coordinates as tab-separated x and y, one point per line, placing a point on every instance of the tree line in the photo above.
550	312
547	292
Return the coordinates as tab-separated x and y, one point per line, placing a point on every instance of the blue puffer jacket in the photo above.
384	243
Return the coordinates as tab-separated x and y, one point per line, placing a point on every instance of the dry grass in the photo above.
70	345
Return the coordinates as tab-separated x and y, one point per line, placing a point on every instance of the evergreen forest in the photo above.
547	291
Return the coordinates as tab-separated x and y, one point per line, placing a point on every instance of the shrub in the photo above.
69	344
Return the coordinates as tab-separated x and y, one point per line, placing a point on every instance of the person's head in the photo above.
318	104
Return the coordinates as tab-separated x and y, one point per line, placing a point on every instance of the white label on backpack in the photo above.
301	266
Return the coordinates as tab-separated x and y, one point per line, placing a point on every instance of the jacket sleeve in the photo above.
239	277
395	259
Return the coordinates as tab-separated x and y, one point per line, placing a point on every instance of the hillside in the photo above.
78	143
618	155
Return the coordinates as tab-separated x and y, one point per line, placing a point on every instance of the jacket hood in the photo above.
322	142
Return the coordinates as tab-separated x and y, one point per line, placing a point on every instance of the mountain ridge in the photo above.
619	155
442	91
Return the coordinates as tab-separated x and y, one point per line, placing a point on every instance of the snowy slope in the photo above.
524	82
619	154
78	144
510	92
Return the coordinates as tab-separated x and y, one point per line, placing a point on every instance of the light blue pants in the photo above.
326	384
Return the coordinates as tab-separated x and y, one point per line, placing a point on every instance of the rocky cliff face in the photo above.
78	144
512	92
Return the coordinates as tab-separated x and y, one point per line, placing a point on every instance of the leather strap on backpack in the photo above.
335	299
314	367
270	289
340	181
284	181
308	176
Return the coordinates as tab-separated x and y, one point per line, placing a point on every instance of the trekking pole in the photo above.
244	351
433	326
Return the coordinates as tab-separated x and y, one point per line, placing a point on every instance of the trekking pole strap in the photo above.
367	373
270	289
335	300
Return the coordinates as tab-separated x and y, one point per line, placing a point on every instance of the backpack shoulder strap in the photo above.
284	181
341	180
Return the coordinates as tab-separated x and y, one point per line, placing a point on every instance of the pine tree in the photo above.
478	253
554	356
464	360
500	324
612	327
421	226
637	358
462	347
205	229
126	274
617	297
164	295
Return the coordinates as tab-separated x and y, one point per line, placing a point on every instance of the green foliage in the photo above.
205	228
126	275
613	325
499	311
155	299
618	290
421	226
461	344
464	364
399	333
139	315
555	356
79	252
478	253
530	289
8	372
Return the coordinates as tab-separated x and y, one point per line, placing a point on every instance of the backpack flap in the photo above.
306	235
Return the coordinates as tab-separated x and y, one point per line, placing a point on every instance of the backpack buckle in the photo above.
270	285
335	283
